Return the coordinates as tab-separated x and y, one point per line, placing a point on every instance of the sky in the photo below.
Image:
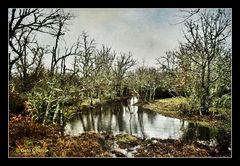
145	32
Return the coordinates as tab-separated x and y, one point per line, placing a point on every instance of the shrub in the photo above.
16	102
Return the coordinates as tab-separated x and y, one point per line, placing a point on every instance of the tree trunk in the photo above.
47	111
208	100
91	99
55	113
61	115
202	96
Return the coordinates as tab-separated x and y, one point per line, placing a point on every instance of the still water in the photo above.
124	117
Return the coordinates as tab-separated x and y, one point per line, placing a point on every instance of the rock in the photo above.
154	141
119	152
131	149
126	141
126	138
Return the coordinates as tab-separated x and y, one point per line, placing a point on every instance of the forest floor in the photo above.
178	108
28	138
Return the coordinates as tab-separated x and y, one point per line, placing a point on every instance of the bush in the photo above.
16	102
48	97
226	101
193	105
42	93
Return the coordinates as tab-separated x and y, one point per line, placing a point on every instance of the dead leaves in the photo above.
39	141
20	118
81	146
170	148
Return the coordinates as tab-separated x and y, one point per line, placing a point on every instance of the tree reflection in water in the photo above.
124	116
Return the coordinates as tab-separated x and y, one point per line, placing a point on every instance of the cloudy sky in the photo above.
146	32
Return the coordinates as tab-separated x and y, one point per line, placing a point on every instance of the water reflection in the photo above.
194	132
125	117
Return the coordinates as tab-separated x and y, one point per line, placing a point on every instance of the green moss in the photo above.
126	138
29	143
69	111
126	141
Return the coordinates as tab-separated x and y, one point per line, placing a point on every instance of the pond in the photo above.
125	117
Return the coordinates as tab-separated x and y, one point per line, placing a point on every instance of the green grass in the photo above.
168	106
176	100
178	108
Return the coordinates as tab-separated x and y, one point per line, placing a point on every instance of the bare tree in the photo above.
103	64
104	60
188	14
74	50
205	39
62	20
85	64
86	56
122	65
30	65
168	65
23	23
168	62
145	82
